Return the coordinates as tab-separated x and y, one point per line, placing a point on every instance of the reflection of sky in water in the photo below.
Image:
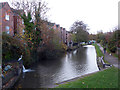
67	70
73	67
73	64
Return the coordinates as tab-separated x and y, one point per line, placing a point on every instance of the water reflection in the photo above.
71	65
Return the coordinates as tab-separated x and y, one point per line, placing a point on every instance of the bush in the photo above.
12	48
112	46
98	40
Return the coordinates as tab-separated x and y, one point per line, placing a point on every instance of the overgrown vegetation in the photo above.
13	48
102	79
110	40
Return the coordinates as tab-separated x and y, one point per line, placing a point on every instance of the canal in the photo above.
73	64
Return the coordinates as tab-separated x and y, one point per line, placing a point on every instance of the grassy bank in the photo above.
102	79
99	52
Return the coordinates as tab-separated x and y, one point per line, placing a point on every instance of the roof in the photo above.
57	25
51	24
16	12
2	4
63	28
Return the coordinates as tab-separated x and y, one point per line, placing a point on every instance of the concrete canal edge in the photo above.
100	67
76	78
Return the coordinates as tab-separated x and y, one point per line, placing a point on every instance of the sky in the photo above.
97	14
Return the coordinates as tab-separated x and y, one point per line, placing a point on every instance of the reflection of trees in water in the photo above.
80	53
50	71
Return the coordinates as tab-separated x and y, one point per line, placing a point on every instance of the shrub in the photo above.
112	46
12	48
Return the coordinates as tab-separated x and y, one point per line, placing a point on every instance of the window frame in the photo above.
7	29
7	17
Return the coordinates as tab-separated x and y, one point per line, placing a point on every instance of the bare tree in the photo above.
31	6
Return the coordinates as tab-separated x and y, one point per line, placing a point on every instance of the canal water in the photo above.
73	64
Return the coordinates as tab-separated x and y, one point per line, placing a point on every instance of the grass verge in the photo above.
102	79
99	52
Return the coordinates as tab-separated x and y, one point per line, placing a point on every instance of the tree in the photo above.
74	37
92	37
34	17
30	6
80	31
100	36
113	42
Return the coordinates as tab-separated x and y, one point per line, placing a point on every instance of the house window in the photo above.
7	29
7	17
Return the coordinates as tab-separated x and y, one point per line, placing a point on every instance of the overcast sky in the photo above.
97	14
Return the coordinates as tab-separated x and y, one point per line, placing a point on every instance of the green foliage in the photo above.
80	31
110	39
100	37
101	79
29	26
11	48
98	40
74	38
112	46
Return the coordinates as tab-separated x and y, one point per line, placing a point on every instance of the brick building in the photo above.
7	24
11	22
18	22
63	35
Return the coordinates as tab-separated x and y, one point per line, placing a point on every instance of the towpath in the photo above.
111	59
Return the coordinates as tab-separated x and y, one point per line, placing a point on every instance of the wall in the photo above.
7	10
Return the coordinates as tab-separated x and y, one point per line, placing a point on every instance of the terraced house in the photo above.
11	22
62	33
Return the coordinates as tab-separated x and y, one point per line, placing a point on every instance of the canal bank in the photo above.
101	79
110	58
11	74
48	72
91	80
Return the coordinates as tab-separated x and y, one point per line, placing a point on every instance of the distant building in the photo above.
62	35
69	38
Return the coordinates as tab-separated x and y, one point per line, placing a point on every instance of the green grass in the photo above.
103	79
99	52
